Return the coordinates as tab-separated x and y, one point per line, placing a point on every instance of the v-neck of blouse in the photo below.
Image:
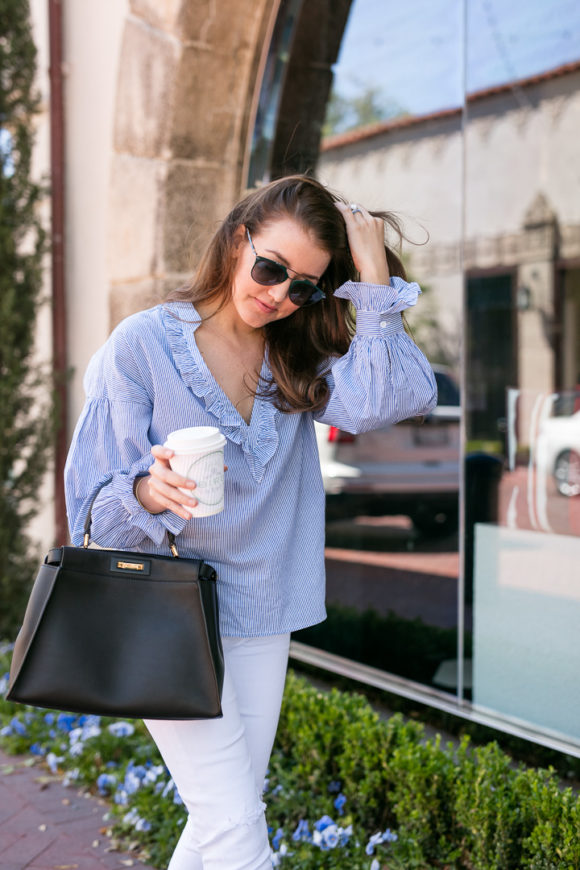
258	438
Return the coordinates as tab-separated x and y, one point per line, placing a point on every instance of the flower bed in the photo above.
345	789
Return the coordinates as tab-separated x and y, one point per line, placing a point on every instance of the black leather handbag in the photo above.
122	634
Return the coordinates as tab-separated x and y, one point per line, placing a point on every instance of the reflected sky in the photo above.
412	52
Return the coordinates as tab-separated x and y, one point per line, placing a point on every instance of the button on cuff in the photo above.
375	323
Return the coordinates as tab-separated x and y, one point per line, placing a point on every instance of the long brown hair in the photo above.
300	346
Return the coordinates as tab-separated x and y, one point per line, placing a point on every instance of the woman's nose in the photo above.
278	292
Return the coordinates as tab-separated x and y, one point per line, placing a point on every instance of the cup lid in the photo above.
195	438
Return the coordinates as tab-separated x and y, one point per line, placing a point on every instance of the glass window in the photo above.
521	332
463	119
392	495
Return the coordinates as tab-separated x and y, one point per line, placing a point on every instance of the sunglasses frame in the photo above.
316	293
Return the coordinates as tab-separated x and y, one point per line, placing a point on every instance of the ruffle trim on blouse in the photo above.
259	439
382	298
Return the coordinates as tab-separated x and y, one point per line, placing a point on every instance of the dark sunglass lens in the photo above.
268	272
300	292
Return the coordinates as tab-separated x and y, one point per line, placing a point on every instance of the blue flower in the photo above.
154	772
302	832
374	841
71	776
375	865
387	837
330	837
277	838
139	823
121	797
168	788
142	825
90	729
334	786
339	804
106	782
6	731
18	727
90	721
138	770
132	782
323	823
49	718
37	749
65	721
345	834
53	761
121	729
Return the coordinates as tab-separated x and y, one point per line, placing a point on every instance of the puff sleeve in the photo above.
384	377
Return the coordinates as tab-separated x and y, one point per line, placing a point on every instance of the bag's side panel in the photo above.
39	597
208	590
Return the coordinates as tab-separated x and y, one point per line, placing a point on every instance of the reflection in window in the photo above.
521	255
487	184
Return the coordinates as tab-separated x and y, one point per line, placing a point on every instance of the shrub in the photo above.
26	422
345	790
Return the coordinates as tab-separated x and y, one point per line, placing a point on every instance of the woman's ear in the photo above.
238	240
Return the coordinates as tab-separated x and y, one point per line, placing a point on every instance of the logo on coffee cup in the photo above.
207	471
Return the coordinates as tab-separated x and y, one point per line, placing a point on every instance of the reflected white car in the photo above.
558	452
411	468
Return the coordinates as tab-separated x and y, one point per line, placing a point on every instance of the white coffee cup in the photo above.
199	455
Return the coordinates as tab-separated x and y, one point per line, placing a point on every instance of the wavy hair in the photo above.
299	347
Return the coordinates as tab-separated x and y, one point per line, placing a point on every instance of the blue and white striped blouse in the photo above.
268	544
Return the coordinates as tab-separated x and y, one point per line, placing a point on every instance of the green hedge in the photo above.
345	789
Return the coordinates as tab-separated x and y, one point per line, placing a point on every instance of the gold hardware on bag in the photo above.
131	566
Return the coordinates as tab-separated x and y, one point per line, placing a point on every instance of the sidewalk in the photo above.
45	826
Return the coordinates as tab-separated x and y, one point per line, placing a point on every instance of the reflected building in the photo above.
489	194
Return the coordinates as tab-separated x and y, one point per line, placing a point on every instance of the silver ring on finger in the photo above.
355	208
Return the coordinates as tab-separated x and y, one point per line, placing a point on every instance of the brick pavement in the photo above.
46	826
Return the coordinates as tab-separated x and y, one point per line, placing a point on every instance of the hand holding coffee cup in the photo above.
198	454
166	489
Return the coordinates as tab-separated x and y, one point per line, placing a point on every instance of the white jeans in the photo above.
219	765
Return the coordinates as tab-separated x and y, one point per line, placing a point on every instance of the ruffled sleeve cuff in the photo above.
378	306
155	526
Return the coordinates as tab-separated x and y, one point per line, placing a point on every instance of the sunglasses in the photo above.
268	273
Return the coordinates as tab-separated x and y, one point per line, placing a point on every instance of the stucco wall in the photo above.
41	527
92	34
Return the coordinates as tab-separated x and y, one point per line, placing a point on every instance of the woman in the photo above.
261	345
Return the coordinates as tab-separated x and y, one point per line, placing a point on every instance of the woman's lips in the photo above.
267	309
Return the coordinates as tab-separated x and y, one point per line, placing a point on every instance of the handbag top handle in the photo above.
88	520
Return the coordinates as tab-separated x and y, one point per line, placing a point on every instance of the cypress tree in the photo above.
26	396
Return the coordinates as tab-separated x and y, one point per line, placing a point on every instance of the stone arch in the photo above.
187	87
184	102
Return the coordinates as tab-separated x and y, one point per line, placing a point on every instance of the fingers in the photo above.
366	239
164	486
